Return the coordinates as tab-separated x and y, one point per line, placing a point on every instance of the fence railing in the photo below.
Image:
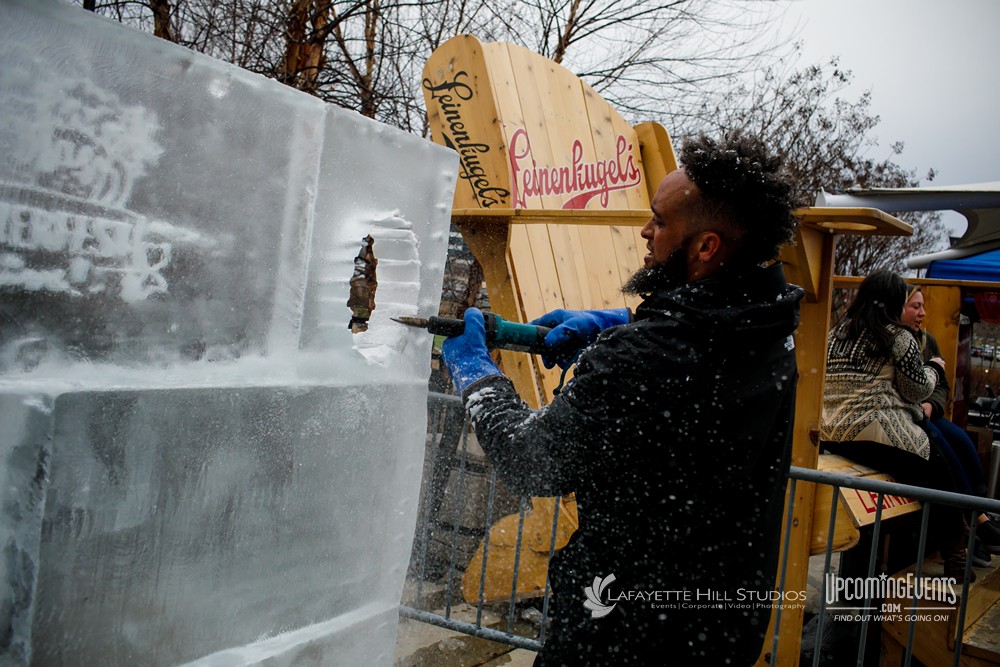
446	534
462	498
928	498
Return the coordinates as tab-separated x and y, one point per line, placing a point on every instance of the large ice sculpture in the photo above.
198	462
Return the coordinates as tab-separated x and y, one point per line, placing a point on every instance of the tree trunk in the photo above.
304	56
567	33
369	105
161	20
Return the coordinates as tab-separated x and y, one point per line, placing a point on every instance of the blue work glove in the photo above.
466	356
573	330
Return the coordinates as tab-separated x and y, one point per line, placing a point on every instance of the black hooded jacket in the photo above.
675	436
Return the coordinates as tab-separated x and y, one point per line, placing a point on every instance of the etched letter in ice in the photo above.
198	462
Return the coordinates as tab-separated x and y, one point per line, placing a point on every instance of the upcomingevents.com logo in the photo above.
595	594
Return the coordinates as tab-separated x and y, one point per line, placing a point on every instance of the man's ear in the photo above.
708	246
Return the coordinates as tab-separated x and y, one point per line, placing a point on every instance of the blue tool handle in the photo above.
500	334
515	336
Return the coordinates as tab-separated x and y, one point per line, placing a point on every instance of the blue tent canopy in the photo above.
979	203
984	266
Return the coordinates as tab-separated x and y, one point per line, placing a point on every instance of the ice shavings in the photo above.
474	401
532	416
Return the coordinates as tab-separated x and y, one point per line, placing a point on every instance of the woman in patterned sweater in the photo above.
875	382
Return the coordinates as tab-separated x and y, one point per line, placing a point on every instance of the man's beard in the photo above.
668	274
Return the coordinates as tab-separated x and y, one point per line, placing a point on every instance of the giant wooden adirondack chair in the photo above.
554	187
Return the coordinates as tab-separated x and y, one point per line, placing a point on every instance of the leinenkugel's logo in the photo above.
583	180
594	592
449	96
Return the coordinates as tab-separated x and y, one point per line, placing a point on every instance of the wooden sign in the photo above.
536	141
530	134
463	116
863	505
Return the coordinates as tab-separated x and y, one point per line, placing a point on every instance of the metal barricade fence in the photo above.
442	543
928	497
440	530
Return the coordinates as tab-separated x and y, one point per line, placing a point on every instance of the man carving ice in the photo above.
675	433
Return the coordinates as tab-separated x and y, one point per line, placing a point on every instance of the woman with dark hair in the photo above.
957	447
875	382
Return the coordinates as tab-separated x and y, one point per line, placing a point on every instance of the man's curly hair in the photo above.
743	187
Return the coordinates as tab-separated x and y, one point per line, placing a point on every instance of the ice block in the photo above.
199	462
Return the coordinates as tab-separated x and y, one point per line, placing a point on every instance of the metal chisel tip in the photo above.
411	321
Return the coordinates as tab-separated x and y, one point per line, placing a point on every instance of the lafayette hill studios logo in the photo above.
595	593
601	604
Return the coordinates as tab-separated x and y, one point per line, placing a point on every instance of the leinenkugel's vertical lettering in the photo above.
449	96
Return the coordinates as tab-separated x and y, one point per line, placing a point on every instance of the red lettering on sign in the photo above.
869	501
584	180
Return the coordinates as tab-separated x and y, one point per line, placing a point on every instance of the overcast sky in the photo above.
933	67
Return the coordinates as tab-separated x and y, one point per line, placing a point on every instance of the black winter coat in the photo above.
675	436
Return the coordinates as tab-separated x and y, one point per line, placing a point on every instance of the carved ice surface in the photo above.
198	462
